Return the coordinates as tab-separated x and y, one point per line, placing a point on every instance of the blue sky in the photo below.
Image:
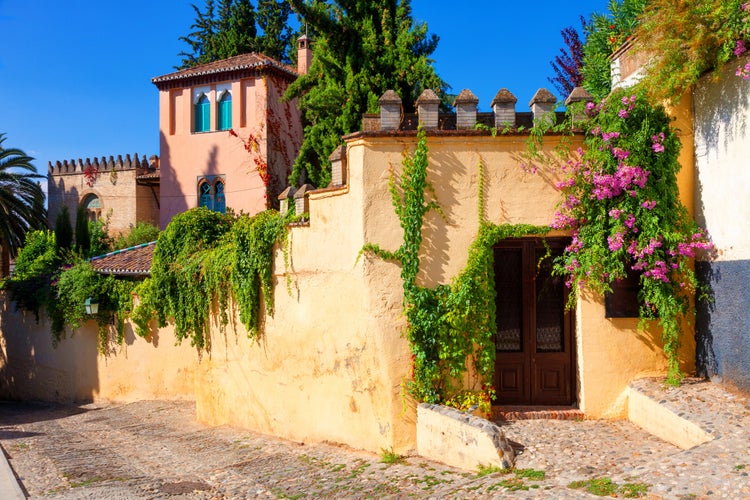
75	75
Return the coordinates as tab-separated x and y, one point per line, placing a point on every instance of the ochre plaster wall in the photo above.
332	360
31	368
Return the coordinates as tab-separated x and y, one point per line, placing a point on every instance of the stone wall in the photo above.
460	439
124	200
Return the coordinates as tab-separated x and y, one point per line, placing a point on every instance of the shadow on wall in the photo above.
169	204
33	369
443	173
721	105
60	195
722	323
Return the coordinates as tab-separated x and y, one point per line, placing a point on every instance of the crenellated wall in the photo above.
127	188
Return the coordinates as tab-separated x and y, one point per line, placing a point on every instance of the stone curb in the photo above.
9	487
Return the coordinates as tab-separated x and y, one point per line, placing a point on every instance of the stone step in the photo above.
505	413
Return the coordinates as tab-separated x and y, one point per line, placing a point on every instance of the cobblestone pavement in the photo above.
155	449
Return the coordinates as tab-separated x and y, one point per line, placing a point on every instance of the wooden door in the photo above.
534	363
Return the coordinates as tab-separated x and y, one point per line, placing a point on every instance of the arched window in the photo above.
211	193
206	198
93	206
202	114
220	202
225	111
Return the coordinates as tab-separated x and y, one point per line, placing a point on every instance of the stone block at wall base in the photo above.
460	439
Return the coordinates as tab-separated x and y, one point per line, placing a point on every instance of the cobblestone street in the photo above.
155	449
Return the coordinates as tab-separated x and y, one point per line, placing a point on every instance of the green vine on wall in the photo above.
204	256
450	328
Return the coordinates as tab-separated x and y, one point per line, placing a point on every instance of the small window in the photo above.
211	193
622	301
225	111
93	206
203	114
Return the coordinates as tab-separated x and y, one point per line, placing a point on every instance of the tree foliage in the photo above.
604	34
21	198
63	229
567	64
37	266
232	27
360	50
83	237
685	39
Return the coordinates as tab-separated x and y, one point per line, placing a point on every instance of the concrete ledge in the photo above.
460	439
9	487
664	423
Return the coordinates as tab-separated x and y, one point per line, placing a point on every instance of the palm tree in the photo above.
21	201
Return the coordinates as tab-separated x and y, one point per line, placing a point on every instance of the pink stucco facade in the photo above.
189	157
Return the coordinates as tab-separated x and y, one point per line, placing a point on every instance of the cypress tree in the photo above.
277	36
232	27
83	238
63	229
361	49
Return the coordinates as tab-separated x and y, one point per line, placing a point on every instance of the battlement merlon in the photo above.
68	167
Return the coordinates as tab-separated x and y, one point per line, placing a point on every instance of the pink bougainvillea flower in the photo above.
615	241
739	48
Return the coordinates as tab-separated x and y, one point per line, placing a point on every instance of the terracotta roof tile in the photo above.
133	261
251	61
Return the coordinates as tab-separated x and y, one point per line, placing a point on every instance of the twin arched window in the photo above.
211	194
202	112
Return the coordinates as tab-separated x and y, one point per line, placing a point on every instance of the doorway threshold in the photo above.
504	413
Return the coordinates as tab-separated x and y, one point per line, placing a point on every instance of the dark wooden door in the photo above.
534	363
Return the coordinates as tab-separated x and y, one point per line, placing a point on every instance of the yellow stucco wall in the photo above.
31	367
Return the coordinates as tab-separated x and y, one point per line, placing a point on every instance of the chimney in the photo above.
427	109
466	109
304	55
543	106
504	107
338	166
390	110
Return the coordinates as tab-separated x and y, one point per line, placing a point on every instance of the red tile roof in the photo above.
133	261
240	63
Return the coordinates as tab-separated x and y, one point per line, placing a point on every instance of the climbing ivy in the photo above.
204	256
449	326
80	282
